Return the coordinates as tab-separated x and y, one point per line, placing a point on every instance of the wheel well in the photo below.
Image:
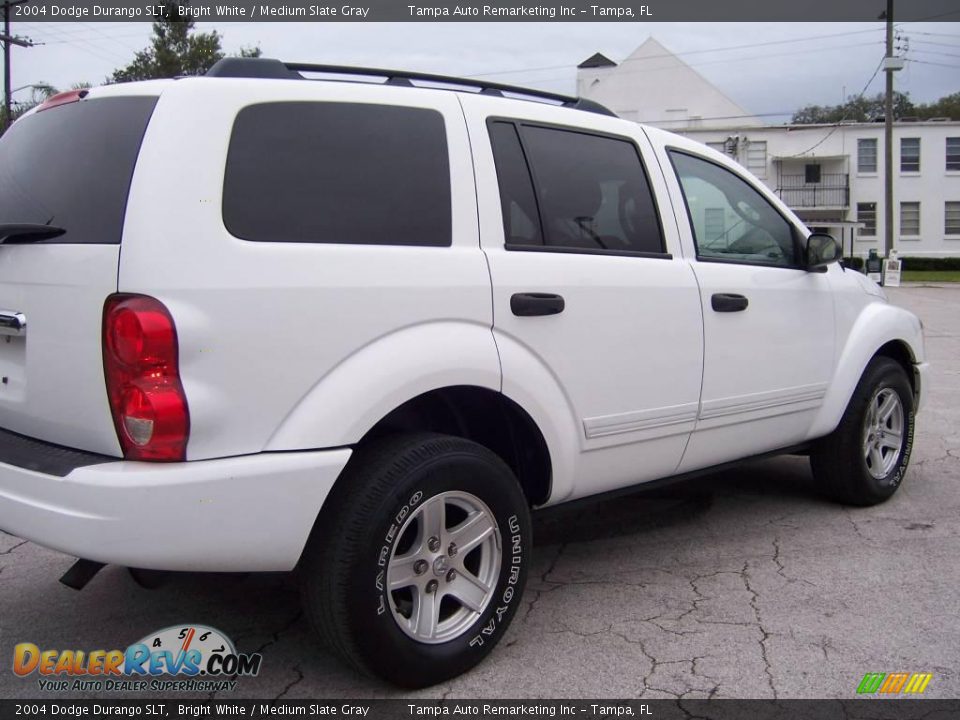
485	417
900	352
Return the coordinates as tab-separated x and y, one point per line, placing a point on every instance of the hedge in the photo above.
912	263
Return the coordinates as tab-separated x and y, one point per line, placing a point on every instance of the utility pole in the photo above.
8	40
890	66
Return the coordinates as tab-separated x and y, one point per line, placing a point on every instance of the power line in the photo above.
688	52
647	71
934	52
8	40
933	34
928	62
937	44
842	120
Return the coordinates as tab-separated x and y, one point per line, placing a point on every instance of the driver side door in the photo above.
768	323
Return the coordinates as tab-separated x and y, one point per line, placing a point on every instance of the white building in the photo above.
684	98
831	175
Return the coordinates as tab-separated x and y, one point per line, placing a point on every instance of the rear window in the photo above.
71	166
354	173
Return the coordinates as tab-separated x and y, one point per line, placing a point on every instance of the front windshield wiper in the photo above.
28	232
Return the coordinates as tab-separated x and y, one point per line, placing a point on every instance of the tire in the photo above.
374	528
857	464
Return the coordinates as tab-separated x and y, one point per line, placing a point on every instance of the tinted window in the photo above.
521	223
338	173
591	191
71	166
730	219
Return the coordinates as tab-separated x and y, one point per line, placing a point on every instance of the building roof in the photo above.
597	60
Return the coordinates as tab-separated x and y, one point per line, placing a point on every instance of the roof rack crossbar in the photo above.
269	68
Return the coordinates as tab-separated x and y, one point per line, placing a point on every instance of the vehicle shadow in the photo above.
261	611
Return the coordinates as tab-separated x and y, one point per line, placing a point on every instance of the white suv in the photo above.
253	322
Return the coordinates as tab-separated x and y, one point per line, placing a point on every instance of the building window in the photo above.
867	214
757	158
867	155
951	218
953	153
909	154
910	218
714	222
718	146
811	174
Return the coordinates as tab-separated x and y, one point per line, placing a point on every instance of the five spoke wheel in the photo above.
445	567
883	432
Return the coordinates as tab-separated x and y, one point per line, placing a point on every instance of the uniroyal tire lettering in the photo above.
516	544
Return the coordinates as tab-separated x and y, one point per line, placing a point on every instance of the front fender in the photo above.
363	388
877	324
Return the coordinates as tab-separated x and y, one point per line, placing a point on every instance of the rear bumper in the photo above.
251	513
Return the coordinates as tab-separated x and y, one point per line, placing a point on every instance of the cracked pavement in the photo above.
741	584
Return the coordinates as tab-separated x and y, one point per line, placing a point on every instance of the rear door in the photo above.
586	288
69	166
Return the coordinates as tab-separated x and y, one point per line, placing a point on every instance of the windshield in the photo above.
71	166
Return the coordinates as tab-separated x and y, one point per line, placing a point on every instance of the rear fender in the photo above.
367	385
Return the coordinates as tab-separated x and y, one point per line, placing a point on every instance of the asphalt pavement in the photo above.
742	584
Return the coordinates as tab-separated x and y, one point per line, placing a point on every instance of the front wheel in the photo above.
864	460
418	560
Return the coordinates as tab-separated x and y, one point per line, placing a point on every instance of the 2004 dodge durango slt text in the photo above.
363	328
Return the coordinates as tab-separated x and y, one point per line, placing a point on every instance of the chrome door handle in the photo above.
13	323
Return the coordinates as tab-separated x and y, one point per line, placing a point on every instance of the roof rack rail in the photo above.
267	68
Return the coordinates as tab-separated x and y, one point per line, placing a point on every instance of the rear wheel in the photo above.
864	460
418	560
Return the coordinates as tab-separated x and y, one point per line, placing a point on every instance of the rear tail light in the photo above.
140	360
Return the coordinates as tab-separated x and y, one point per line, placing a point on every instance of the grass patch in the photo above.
930	276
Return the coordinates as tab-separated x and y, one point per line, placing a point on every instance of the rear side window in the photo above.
582	191
71	166
353	173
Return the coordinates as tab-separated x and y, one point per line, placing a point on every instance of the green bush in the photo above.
930	263
915	264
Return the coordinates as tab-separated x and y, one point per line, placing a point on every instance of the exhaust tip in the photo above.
80	573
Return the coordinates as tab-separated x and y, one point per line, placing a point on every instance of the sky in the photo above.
767	68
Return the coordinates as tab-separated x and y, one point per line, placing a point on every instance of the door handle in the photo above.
532	304
12	323
728	302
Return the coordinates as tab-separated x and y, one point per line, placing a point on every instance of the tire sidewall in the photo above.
885	376
386	647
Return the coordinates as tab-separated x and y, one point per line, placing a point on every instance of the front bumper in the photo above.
921	381
251	513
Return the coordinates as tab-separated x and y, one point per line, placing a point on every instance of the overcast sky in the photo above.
776	68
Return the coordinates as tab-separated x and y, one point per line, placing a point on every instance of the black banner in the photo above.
859	709
489	11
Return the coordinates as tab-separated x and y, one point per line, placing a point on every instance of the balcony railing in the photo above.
833	190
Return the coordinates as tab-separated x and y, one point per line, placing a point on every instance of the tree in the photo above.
948	106
857	109
176	49
38	93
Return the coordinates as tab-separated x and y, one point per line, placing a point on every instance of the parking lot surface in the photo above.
741	584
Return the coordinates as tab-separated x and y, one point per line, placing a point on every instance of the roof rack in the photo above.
267	68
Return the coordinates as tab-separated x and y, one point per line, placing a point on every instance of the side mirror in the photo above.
821	250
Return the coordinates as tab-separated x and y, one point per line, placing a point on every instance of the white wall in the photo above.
654	87
832	145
